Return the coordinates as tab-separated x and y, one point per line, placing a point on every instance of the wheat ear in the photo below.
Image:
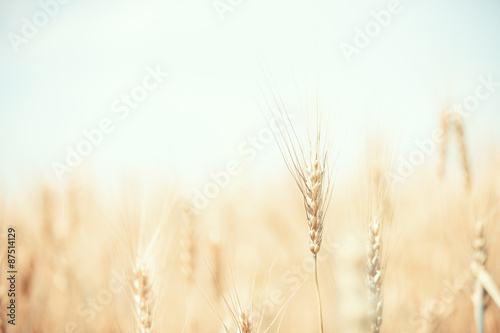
47	201
459	127
216	258
313	206
314	213
374	269
314	203
73	206
188	259
244	322
444	142
310	174
143	297
188	245
480	255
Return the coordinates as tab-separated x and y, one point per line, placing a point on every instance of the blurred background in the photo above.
65	78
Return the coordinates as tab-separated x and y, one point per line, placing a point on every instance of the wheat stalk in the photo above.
313	180
311	176
313	202
314	183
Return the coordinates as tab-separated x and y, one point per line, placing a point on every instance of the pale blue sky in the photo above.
65	79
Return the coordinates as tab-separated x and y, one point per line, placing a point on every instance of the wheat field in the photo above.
392	258
230	166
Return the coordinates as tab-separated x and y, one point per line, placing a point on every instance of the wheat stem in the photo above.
478	300
312	175
318	296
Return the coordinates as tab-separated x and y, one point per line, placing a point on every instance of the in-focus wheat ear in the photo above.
313	206
311	175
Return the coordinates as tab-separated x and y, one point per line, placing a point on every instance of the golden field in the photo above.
146	261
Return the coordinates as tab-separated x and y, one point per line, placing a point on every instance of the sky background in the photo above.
65	78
